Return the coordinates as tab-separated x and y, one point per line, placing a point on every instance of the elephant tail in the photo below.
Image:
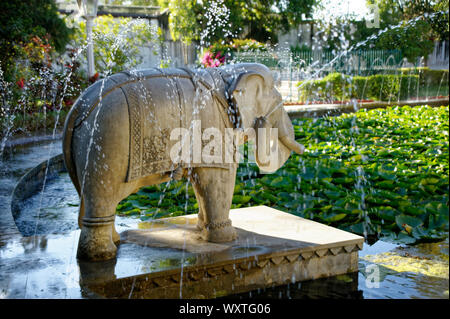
69	127
84	105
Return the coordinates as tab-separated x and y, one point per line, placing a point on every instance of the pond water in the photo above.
386	270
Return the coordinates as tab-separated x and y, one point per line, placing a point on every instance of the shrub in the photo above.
427	75
383	87
218	53
338	87
331	87
23	20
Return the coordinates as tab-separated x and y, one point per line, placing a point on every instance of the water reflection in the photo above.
339	287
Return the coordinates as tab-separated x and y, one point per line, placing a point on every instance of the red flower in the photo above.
68	102
21	83
94	78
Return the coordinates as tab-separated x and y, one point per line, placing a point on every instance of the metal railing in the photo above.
291	67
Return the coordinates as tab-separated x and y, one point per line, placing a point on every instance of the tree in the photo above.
116	42
259	19
21	21
412	26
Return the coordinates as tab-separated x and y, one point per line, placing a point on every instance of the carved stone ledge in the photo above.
221	269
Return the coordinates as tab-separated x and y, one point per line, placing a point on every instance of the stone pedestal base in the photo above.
273	248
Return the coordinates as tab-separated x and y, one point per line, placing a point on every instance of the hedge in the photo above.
338	87
427	75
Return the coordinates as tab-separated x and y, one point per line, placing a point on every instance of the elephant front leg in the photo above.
214	189
200	219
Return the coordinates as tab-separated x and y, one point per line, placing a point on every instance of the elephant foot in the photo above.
219	232
200	222
200	225
96	243
115	236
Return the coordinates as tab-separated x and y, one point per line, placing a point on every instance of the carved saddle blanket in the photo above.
161	100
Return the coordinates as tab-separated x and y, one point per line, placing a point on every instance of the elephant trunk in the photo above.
286	133
292	144
264	149
262	127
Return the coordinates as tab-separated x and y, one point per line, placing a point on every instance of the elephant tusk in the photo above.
292	144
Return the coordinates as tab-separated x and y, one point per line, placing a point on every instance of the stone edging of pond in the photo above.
33	180
24	140
317	110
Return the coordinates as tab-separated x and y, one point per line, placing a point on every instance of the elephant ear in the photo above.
284	127
247	92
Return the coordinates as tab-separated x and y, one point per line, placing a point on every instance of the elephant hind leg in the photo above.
115	234
96	237
81	213
213	189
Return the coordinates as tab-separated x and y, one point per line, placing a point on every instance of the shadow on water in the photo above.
386	271
336	287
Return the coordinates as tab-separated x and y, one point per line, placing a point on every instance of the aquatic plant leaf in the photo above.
240	199
404	238
411	221
378	170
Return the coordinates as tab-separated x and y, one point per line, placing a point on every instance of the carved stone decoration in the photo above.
264	255
260	271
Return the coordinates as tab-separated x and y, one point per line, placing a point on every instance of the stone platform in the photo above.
273	248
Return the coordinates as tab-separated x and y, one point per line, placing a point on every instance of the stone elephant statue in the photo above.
118	137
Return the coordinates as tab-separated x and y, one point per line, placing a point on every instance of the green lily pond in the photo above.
382	173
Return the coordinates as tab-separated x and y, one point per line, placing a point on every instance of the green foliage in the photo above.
413	39
183	21
21	21
43	83
265	18
34	122
133	2
382	172
440	22
380	87
259	20
245	45
433	13
116	42
427	76
410	26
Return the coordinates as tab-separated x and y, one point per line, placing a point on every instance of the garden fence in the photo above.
307	64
